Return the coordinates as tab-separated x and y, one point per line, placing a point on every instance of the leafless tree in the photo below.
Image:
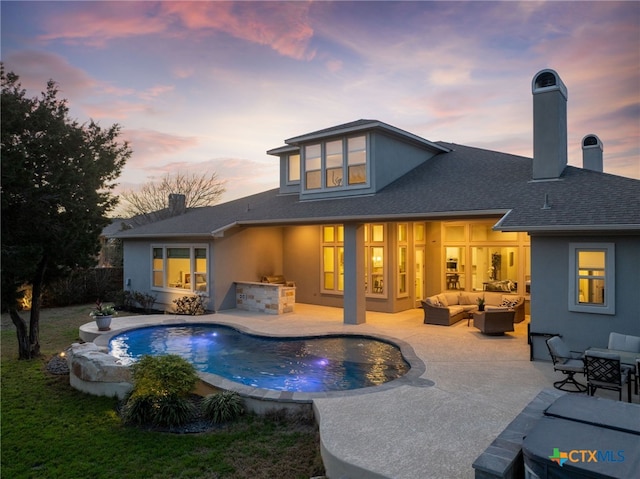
152	202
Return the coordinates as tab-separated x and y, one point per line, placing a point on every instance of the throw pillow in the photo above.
508	303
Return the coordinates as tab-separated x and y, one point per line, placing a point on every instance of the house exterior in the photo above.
371	217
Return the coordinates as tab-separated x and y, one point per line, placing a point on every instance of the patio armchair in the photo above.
567	362
604	371
494	322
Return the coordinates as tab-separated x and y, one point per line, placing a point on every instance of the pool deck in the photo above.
472	387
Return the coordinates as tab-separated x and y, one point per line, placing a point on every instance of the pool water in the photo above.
328	363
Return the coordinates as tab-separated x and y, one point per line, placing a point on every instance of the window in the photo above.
334	164
496	268
325	163
179	267
357	160
312	166
403	289
455	267
333	258
157	267
293	170
591	277
485	232
374	258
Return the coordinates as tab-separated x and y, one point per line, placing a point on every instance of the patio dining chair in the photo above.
604	371
567	362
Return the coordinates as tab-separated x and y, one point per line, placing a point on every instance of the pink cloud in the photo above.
285	28
150	146
95	23
116	110
36	68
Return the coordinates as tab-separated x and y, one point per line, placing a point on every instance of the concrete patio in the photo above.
475	386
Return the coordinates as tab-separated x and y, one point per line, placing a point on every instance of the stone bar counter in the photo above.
265	297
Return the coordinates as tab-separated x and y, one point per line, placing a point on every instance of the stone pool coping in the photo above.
263	399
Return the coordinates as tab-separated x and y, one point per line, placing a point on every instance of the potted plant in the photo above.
103	314
481	303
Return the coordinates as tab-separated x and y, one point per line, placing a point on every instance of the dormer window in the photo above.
293	168
357	160
336	164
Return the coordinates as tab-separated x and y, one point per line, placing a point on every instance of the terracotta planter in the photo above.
103	322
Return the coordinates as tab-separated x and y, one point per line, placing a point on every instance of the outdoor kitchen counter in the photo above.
268	298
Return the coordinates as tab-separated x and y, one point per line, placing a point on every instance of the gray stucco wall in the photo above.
394	159
244	255
302	262
137	256
550	289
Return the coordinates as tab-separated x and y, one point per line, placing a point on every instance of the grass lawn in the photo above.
50	430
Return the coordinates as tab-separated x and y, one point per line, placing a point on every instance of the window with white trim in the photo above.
336	164
333	258
403	286
179	266
374	246
591	277
293	168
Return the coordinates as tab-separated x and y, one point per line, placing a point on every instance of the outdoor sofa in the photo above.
448	308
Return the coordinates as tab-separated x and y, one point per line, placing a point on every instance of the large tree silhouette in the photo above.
57	177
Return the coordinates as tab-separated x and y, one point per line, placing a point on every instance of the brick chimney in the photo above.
177	204
592	149
549	125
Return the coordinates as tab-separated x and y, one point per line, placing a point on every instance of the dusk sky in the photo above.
211	86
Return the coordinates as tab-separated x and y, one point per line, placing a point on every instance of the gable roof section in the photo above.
581	200
362	126
466	182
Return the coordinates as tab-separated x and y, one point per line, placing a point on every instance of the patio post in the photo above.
354	305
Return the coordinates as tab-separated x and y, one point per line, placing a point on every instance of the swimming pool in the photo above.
326	363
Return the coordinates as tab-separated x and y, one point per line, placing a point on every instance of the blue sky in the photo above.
211	86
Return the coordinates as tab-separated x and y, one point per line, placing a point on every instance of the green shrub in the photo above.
145	300
165	375
222	407
158	410
134	301
160	387
138	410
173	411
192	305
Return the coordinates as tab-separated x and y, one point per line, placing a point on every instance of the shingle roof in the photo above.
357	126
464	182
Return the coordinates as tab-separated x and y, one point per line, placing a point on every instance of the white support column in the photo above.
354	308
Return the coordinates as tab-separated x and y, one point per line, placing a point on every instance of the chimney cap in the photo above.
548	80
592	141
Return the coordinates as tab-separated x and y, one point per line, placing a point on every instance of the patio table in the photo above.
627	358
